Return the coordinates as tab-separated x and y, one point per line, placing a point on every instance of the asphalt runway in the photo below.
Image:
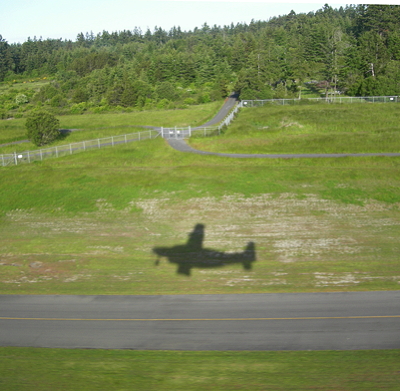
306	321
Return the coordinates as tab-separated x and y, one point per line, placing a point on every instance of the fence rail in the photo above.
69	149
332	99
206	131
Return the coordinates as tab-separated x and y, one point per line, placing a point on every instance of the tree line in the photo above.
353	50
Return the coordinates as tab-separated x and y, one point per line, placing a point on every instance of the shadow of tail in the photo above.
249	255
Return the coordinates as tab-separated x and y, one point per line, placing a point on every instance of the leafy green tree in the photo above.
42	127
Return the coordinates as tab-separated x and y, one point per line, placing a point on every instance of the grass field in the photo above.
87	224
318	128
58	369
93	126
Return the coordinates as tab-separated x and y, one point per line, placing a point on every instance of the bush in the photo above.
163	104
21	99
42	127
78	108
3	114
189	101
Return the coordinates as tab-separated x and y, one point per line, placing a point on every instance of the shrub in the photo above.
163	104
189	101
21	99
57	101
3	114
42	127
78	108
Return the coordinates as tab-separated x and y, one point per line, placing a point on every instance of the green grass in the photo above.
92	220
87	224
34	83
316	128
93	126
58	369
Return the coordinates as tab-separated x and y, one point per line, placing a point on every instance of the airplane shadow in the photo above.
193	255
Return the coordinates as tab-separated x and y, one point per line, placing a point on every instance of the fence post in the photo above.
84	146
190	131
29	157
41	156
98	142
56	152
2	159
125	139
15	158
112	140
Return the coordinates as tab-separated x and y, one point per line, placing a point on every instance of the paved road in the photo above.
317	321
229	104
182	146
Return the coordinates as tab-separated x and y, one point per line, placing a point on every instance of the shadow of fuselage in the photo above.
193	255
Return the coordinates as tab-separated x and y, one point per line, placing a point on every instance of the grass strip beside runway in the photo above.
58	369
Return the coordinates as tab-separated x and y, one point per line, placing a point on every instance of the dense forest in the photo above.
353	51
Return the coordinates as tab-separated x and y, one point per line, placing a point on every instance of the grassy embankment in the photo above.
87	224
58	369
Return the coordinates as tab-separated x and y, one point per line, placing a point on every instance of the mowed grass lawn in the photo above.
58	369
88	223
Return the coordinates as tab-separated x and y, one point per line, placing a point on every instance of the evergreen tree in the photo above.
5	58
